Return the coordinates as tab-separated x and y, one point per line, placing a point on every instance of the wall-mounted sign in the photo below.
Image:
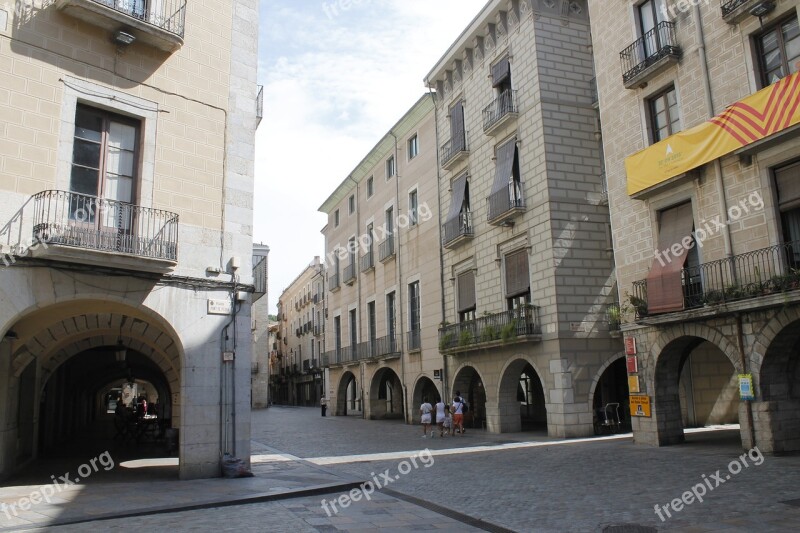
640	405
633	384
632	362
746	387
219	307
227	356
630	345
576	327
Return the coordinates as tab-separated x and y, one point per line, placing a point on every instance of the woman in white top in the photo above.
425	409
440	417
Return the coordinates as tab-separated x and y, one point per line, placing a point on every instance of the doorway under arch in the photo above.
348	397
521	399
469	385
423	388
611	400
386	395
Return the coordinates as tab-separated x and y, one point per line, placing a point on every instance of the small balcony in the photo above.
381	348
386	249
650	55
458	230
254	368
453	152
414	340
735	11
367	261
333	282
508	327
500	112
317	331
744	282
259	105
506	204
260	279
158	23
78	228
614	319
594	93
350	273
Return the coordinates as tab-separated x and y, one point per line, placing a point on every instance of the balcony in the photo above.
386	249
614	319
317	331
500	112
508	327
158	23
593	92
453	152
506	204
254	368
649	55
367	261
260	279
333	282
457	230
380	348
259	105
414	340
745	282
306	366
77	228
734	11
350	273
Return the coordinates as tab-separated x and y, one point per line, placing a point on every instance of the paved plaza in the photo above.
306	468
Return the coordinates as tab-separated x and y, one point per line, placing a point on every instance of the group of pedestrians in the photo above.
449	417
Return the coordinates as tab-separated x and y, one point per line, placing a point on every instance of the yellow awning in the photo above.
758	116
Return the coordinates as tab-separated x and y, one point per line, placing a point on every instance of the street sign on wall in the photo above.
640	405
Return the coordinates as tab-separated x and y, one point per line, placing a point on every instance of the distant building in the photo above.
699	107
262	344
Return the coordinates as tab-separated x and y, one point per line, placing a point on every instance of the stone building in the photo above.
260	328
300	315
528	273
383	276
699	110
126	168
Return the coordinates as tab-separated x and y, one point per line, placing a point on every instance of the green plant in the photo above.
713	296
734	292
489	333
509	331
639	304
614	317
465	339
446	340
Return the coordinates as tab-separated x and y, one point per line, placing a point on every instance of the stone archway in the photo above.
609	398
386	395
469	384
348	397
423	388
521	399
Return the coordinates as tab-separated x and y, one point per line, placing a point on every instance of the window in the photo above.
390	167
779	51
787	182
664	115
337	329
390	315
507	187
412	208
651	13
353	329
352	204
371	240
336	219
413	306
458	137
104	157
371	321
518	284
466	296
413	147
370	187
389	222
501	76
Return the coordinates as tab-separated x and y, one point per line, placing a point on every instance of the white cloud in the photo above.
333	86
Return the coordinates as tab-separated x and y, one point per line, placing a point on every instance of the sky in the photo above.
337	75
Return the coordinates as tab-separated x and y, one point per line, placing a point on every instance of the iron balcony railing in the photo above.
367	261
380	347
452	148
461	226
306	366
729	6
386	248
593	91
654	45
503	105
333	282
507	199
771	270
350	272
92	223
254	368
168	15
414	340
506	326
259	105
613	317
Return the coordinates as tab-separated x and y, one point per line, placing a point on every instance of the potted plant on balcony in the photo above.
465	339
509	331
446	340
639	304
489	333
614	318
713	297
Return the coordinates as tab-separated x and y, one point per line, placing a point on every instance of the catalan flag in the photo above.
758	116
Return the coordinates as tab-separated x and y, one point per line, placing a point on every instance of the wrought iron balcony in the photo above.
260	279
333	282
414	340
367	261
159	23
386	249
350	273
614	317
306	366
593	92
649	55
502	110
254	368
734	11
506	204
457	230
453	152
752	276
259	105
519	325
382	347
78	228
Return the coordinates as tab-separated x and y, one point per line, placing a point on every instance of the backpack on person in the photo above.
464	406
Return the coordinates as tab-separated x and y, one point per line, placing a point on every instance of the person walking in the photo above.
425	410
440	414
458	415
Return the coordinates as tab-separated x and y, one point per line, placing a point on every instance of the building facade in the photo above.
261	329
383	276
126	252
528	273
300	318
698	103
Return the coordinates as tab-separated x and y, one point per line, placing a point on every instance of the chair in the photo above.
611	418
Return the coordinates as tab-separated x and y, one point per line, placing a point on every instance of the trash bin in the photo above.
324	409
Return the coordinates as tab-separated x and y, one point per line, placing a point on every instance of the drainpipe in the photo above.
726	233
399	315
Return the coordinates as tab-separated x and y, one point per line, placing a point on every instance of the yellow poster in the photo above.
640	405
758	116
633	384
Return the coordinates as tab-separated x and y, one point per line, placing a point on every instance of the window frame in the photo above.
336	219
370	187
414	306
391	167
413	146
650	103
413	207
758	47
351	204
